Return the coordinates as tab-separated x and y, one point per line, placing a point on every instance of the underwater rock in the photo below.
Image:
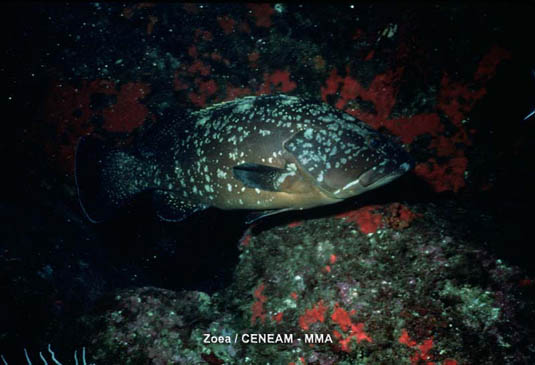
328	293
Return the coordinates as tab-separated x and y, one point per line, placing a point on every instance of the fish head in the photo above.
345	160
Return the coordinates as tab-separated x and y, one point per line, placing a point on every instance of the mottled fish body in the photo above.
272	152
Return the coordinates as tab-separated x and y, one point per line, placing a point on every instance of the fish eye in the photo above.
374	141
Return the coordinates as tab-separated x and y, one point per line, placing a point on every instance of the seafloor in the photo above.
434	268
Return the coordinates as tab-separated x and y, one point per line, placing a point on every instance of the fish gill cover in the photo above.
432	268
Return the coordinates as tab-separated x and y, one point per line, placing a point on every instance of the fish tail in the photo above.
106	178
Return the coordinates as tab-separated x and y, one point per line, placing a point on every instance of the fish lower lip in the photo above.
369	177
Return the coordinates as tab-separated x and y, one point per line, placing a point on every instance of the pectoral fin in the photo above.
258	176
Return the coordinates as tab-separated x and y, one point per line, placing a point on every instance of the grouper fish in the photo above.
266	153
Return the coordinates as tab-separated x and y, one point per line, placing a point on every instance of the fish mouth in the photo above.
369	180
373	178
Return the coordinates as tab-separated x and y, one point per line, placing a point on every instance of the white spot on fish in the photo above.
243	106
289	100
290	171
264	132
201	122
221	174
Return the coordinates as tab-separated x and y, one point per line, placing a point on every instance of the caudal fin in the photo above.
106	178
